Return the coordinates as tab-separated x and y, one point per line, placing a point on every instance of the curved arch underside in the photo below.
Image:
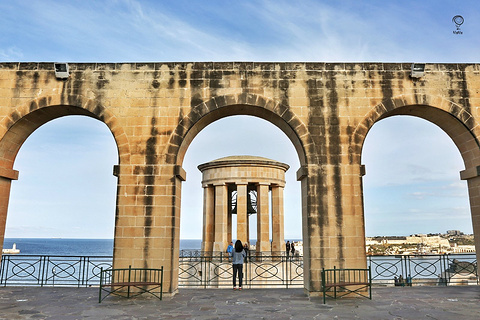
20	130
240	109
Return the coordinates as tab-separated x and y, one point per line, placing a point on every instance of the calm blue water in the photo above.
74	247
79	247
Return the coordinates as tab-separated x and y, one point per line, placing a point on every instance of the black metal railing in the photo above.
454	269
259	271
212	271
24	270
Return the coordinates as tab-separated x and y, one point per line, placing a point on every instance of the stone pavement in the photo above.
461	302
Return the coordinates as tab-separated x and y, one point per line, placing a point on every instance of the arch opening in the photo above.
412	183
66	189
245	110
238	135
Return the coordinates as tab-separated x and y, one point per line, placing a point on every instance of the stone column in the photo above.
473	182
208	218
6	177
242	212
248	229
229	216
263	228
221	212
278	236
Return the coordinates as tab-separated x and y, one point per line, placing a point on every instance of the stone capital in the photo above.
9	173
470	173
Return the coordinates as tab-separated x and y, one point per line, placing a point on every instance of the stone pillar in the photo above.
248	229
263	226
242	219
278	236
208	218
473	181
221	212
6	177
229	216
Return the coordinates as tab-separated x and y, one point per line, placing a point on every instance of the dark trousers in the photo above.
237	269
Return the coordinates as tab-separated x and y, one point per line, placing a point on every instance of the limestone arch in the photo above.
244	104
25	119
455	120
17	127
223	106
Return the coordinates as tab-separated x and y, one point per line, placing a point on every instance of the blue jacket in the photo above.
237	257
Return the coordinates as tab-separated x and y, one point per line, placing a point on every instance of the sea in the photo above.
80	247
76	247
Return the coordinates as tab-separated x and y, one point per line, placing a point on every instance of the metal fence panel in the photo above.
200	271
456	269
25	270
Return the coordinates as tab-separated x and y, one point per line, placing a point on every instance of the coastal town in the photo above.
450	242
453	241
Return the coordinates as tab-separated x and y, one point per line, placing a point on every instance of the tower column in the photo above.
242	221
221	212
229	215
263	227
208	218
278	235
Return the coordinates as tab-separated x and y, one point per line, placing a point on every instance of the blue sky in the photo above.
66	187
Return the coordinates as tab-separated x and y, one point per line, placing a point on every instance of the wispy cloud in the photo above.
127	30
11	54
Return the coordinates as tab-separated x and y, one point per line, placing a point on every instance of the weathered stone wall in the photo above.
154	111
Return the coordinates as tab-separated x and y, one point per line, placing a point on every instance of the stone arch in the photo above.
24	120
229	105
243	104
452	118
455	120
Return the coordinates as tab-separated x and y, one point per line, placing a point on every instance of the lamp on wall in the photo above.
418	70
61	70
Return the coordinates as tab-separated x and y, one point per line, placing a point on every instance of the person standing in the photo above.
293	250
245	248
409	280
230	249
238	254
287	248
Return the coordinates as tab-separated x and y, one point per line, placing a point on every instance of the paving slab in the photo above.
457	303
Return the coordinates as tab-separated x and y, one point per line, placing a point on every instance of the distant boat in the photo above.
14	250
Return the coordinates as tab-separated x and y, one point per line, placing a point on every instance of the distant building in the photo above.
415	244
454	232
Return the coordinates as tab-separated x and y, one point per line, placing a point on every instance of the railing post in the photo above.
41	269
323	284
161	284
335	281
203	276
4	270
101	281
446	261
129	274
370	281
84	264
286	271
